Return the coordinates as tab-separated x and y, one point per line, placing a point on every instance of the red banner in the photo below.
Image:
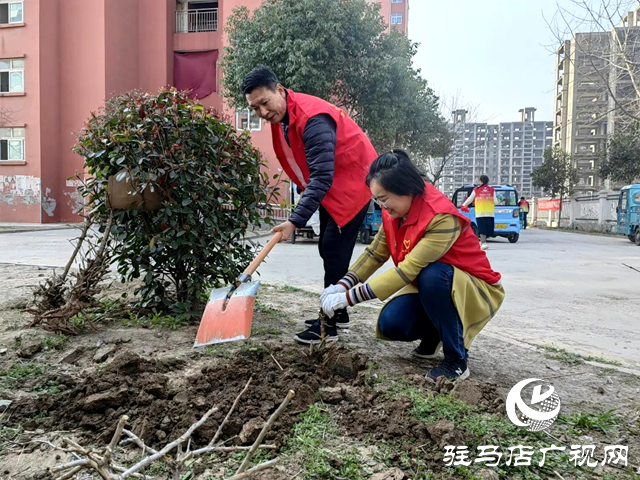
549	205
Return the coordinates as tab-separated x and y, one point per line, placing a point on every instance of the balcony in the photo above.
197	21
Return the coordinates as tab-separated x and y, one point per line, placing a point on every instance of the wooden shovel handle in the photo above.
253	266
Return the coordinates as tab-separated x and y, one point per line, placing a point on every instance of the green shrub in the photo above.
211	186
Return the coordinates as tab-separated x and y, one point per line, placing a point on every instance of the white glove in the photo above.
332	289
333	302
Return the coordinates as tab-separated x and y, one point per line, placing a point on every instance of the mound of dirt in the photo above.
162	399
479	394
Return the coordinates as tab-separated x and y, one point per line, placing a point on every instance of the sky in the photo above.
493	53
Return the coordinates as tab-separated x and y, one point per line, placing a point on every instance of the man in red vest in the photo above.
327	156
524	211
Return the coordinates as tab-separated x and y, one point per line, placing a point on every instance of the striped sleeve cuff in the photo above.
361	293
349	281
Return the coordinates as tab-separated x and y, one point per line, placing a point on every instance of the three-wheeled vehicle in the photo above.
372	223
507	214
628	211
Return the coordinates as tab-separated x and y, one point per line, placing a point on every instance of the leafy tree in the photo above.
620	160
339	51
557	176
210	185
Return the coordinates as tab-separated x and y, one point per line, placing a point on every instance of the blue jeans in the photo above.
429	313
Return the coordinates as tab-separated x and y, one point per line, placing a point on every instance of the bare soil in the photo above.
84	384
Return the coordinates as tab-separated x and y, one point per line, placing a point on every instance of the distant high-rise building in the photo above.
588	74
506	152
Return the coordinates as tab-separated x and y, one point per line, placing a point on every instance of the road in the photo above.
568	290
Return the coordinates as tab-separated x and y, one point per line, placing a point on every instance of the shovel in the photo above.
227	316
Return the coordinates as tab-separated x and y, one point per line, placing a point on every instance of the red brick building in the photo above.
61	59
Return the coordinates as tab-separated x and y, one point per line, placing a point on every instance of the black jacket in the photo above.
319	140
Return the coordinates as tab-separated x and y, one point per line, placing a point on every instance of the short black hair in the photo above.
259	77
396	173
521	198
484	180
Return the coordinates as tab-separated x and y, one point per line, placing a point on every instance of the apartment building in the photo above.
585	110
61	59
395	13
506	152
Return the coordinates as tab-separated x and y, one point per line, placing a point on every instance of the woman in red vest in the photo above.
444	290
485	203
327	156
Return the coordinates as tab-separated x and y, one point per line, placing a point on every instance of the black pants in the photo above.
336	245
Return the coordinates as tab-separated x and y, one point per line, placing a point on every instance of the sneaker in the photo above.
426	350
450	369
484	246
342	320
312	334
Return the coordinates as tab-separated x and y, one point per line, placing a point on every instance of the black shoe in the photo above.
312	334
450	369
341	318
428	349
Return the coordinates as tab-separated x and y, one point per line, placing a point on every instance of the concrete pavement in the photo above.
563	289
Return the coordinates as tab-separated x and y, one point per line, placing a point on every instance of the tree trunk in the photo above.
560	211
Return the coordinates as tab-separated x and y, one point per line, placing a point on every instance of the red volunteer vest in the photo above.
354	154
464	254
485	191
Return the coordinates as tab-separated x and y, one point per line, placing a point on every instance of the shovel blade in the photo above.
234	322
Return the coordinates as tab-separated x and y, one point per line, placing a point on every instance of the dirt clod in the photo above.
479	394
111	398
73	356
29	348
444	432
331	395
103	353
251	429
443	385
346	365
127	363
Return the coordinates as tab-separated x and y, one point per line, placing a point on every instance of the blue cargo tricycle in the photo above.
628	212
507	214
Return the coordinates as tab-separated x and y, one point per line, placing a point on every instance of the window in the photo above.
248	120
591	180
11	144
506	198
11	76
396	1
11	12
622	204
461	196
396	19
